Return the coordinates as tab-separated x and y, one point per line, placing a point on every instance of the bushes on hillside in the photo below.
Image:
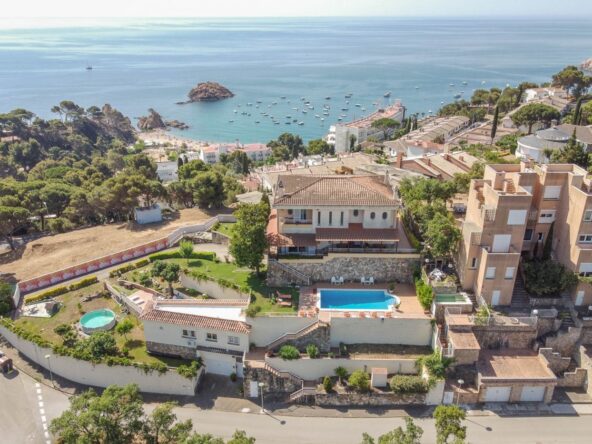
289	352
128	267
425	293
547	277
205	255
408	384
57	291
359	380
189	371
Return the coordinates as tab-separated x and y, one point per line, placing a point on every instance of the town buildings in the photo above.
257	152
509	214
342	135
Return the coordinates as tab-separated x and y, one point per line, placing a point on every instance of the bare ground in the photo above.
51	253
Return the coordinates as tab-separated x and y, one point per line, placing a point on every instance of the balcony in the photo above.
295	221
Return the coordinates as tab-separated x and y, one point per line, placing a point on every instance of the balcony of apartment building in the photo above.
295	221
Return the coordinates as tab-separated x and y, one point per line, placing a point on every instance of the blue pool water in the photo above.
347	299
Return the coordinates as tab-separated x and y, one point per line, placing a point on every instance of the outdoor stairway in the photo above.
301	278
308	389
566	319
520	297
293	336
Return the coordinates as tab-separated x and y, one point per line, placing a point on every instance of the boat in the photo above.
230	121
258	101
89	68
275	122
295	109
322	119
317	116
256	121
325	114
304	111
274	103
295	120
452	84
283	97
347	102
344	109
363	109
249	104
303	98
465	83
288	123
300	123
387	94
234	111
340	119
358	105
347	96
375	103
457	96
343	115
483	82
417	87
288	117
327	98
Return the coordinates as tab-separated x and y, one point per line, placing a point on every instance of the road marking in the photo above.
40	404
38	391
43	419
42	411
40	398
37	385
44	426
46	435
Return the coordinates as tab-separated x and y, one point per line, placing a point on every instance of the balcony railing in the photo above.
293	221
358	250
488	214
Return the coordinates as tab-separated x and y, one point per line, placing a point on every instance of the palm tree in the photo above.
548	152
341	373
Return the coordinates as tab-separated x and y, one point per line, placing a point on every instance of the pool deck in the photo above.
409	308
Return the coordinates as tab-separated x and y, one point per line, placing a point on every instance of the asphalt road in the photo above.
22	421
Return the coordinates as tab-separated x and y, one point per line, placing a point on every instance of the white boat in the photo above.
234	111
304	111
322	119
230	121
465	83
325	114
317	116
363	109
340	119
387	94
452	84
300	123
358	105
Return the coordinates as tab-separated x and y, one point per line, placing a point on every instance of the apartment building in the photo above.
510	212
257	152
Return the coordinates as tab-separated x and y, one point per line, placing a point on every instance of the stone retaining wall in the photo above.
321	337
383	268
368	399
505	336
170	350
556	363
575	379
565	342
275	387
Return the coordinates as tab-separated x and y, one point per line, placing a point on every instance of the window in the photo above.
527	188
319	218
528	234
546	216
516	217
189	333
212	337
509	273
586	269
185	333
474	262
356	212
552	192
341	219
384	215
372	215
233	340
587	215
330	217
540	236
290	212
490	273
585	238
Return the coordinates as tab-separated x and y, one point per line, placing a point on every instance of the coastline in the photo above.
162	137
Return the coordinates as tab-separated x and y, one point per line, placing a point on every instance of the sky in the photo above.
42	9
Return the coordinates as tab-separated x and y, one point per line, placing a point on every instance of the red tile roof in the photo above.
201	302
334	189
169	317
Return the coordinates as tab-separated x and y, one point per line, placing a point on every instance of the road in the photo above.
21	421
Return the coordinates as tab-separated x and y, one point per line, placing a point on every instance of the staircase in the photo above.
301	278
302	393
308	388
293	336
274	371
520	297
566	318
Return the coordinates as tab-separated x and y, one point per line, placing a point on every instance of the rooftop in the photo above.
192	320
513	364
341	190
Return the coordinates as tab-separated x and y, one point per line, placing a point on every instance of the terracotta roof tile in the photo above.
333	190
190	320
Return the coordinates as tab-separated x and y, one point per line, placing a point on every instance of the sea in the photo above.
277	65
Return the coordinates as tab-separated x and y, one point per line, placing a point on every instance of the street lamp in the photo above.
49	368
460	384
261	385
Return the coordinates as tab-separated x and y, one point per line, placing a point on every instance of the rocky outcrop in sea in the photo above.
587	65
155	121
208	92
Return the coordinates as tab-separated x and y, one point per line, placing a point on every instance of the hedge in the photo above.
57	291
408	384
205	255
129	267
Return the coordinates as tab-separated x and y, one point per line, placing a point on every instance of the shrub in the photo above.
408	384
233	377
186	248
189	371
425	294
289	352
252	310
547	277
62	329
312	351
56	291
341	373
205	255
327	384
129	267
145	280
83	283
435	364
359	380
59	225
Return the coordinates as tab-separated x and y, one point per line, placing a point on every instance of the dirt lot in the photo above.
59	251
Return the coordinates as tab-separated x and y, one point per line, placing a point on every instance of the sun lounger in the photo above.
283	296
334	280
285	304
367	280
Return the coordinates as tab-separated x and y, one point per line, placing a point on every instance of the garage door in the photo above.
497	394
532	394
218	364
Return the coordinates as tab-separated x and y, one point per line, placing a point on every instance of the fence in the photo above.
126	255
102	375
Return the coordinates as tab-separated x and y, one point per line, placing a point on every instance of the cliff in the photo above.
155	121
209	92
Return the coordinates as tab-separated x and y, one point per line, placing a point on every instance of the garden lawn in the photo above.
244	277
226	228
70	314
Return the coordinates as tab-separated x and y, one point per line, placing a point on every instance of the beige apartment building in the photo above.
509	214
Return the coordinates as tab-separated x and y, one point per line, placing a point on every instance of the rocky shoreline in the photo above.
208	92
154	121
587	65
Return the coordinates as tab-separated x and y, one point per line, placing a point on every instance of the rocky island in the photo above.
208	92
587	65
155	121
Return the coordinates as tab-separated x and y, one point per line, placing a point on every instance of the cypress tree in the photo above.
494	124
180	162
578	112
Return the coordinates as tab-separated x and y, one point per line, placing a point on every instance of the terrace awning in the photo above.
356	233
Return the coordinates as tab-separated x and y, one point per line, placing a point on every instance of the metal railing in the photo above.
292	336
293	221
291	270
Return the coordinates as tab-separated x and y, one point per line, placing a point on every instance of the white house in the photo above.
148	215
213	329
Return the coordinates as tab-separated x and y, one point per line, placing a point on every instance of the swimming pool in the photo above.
349	299
97	320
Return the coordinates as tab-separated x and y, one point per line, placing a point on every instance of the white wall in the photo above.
210	288
348	217
173	334
311	369
266	329
148	215
378	331
102	375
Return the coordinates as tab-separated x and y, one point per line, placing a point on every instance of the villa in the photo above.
339	225
257	152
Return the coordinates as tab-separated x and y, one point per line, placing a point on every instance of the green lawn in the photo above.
70	313
225	228
230	272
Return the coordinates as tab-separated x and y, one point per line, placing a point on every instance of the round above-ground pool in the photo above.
97	320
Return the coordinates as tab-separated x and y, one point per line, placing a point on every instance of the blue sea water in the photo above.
139	65
345	299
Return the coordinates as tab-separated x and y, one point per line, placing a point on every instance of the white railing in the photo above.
292	270
291	336
304	391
